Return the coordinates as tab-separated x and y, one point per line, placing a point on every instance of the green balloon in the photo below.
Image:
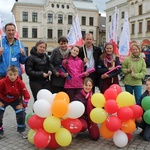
146	103
146	116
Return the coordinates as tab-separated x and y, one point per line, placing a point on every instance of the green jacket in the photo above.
139	68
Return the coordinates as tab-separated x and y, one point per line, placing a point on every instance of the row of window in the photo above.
60	17
49	33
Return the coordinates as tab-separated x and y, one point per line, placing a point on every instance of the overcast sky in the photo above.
6	6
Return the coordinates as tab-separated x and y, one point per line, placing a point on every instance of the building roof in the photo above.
32	1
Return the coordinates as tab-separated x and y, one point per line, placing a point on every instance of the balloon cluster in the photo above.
55	119
146	106
116	111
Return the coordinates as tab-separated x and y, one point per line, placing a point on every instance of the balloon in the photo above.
110	93
113	123
63	137
98	115
125	113
128	126
146	103
31	135
104	132
146	116
44	94
42	108
52	124
53	97
41	139
63	96
73	125
117	88
28	116
59	108
120	139
53	144
129	135
35	122
98	100
111	106
137	111
75	110
125	99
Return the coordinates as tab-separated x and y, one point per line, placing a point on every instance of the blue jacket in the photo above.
11	56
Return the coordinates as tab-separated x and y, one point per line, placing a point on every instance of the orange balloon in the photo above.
63	96
128	126
105	132
59	108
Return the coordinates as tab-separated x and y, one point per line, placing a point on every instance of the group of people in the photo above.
75	71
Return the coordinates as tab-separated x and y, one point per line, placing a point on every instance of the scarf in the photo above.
64	53
108	60
136	58
89	104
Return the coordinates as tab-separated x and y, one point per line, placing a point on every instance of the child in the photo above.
74	67
108	60
140	122
10	89
85	97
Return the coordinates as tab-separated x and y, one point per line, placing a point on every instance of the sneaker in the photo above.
74	135
23	135
2	135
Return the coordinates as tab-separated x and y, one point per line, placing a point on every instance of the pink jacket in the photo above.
74	68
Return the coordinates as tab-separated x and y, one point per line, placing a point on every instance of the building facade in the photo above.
50	19
139	18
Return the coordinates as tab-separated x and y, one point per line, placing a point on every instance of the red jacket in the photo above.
10	91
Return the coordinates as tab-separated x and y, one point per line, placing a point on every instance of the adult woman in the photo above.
134	69
38	68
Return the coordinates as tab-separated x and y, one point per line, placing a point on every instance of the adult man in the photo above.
90	55
12	51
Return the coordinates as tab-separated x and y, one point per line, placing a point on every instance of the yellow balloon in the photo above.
52	124
63	137
125	99
98	100
31	135
98	115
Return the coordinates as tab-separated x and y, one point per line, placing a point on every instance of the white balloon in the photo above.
75	110
53	96
42	108
45	94
120	138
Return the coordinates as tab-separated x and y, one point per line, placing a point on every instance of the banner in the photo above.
74	36
2	28
124	44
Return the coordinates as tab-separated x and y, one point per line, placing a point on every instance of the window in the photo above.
122	15
52	5
62	6
60	18
83	33
25	16
57	5
83	20
34	33
91	32
49	33
69	19
60	33
91	21
25	32
140	9
140	27
50	18
109	18
148	26
132	28
34	17
67	6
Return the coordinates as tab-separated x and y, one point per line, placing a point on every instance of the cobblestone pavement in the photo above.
12	140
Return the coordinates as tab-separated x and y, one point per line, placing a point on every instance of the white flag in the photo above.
14	22
125	38
74	36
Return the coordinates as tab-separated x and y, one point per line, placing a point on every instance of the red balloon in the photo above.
113	123
110	94
35	122
41	139
116	87
73	125
129	135
111	106
137	111
53	143
125	113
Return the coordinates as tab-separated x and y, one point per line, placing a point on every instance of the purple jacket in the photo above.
74	68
